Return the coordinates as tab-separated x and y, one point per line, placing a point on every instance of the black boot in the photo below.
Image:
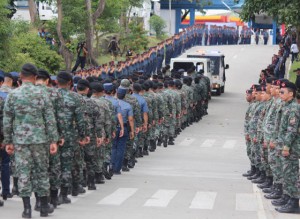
54	197
267	184
106	171
125	165
81	190
276	194
282	201
250	172
75	189
91	183
255	176
145	150
1	203
63	197
84	181
165	141
171	141
291	207
159	141
99	179
37	206
260	179
27	207
45	207
152	146
15	190
140	152
131	163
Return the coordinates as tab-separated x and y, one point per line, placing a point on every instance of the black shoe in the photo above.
84	181
63	197
1	203
45	207
268	190
159	141
81	190
125	169
37	206
250	172
5	197
91	183
15	190
106	171
117	173
27	207
171	141
282	201
54	198
267	184
276	194
99	179
111	171
260	179
291	207
145	152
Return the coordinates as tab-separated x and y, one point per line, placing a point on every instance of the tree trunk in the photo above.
67	55
128	20
32	11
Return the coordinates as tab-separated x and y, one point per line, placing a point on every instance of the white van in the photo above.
217	68
201	64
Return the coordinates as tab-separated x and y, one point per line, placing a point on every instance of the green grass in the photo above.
293	74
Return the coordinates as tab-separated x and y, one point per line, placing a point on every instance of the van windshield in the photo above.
215	62
183	65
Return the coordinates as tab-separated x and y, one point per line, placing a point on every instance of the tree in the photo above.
5	30
158	25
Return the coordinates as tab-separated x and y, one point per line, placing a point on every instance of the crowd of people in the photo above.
62	135
152	60
271	128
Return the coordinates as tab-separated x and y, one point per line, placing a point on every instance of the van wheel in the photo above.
223	89
218	93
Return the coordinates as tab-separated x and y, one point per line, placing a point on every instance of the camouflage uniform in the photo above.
29	123
246	129
144	137
169	120
288	136
54	160
75	130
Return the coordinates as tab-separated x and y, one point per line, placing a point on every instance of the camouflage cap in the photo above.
125	83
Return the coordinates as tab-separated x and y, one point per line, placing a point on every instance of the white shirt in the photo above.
294	48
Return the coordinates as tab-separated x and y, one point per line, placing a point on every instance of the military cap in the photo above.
288	84
181	71
83	83
146	86
140	72
108	86
178	83
171	83
29	69
254	86
97	87
65	76
8	75
125	83
160	85
43	74
121	91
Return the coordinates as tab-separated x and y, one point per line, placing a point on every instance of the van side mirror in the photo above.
227	66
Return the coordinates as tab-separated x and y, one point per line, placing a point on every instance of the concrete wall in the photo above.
165	14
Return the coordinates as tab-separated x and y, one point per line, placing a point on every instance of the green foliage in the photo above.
4	28
293	74
29	47
158	25
137	38
285	11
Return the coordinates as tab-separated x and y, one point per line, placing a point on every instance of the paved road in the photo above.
199	177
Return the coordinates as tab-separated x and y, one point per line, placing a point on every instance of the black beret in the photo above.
171	83
270	80
146	86
97	87
43	74
83	83
160	85
288	84
65	76
249	91
258	88
29	69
